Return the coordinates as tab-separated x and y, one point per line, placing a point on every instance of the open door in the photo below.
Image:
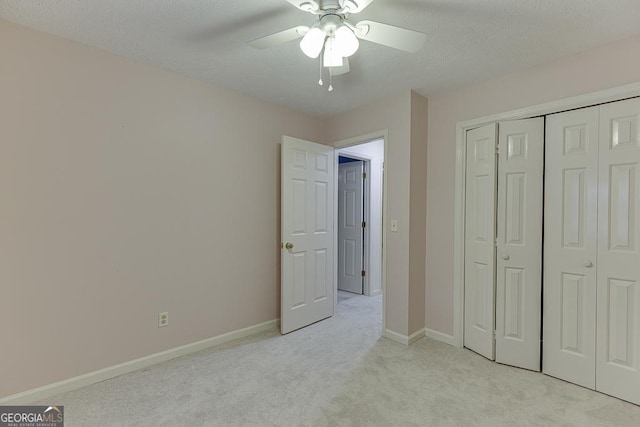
350	226
307	281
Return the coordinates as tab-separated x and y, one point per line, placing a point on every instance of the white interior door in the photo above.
519	243
570	247
479	270
618	306
307	282
350	230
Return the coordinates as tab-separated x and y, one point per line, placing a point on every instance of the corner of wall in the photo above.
418	212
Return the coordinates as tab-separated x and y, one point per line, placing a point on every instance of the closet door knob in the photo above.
505	257
587	263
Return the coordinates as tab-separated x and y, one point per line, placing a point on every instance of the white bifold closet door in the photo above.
519	243
480	254
570	247
504	213
592	248
618	274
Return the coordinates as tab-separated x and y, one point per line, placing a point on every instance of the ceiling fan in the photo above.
334	35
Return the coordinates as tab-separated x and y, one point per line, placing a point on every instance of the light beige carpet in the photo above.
339	372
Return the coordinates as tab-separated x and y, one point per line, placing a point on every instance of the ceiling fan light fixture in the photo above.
346	41
312	42
337	38
332	57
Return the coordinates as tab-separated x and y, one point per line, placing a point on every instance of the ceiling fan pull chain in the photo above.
330	85
320	81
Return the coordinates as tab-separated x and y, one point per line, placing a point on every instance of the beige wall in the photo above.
609	66
126	190
394	114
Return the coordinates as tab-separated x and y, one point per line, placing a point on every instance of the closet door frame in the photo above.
586	100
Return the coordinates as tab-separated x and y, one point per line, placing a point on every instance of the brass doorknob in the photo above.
289	245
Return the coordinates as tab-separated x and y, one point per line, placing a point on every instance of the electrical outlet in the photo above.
163	319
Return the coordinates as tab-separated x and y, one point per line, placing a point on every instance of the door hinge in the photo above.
364	175
364	224
363	273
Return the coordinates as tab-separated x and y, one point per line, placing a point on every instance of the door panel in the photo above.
618	355
350	217
307	223
519	243
479	277
571	185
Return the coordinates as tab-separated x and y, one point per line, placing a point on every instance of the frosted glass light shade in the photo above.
312	42
346	43
332	57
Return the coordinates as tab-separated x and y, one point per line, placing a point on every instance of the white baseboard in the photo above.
439	336
403	339
394	336
416	336
74	383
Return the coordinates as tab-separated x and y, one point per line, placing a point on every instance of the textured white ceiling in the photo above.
468	41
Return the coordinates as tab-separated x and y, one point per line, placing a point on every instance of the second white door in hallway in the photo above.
350	226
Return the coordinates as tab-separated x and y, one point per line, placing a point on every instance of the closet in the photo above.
581	318
592	248
503	241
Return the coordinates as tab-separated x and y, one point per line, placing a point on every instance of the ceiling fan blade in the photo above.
390	35
311	6
343	69
355	6
279	37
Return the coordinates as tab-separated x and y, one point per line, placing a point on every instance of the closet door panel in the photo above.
479	271
570	246
618	332
519	243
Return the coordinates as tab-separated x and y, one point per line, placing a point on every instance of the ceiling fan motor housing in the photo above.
330	22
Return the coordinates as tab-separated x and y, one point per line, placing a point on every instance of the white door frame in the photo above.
586	100
350	142
366	192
